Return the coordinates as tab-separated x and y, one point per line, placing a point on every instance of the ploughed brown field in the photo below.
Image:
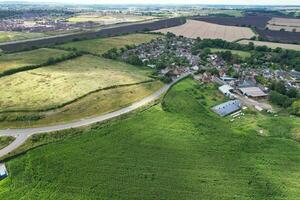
205	30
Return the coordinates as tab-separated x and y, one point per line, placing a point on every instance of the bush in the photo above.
166	79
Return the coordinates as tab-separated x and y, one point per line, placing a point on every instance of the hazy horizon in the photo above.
199	2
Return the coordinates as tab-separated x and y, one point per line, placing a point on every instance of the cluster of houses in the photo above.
214	69
180	47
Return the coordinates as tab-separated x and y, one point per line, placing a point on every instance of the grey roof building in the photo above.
227	107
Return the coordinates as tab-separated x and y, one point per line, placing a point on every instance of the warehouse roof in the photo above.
253	92
227	107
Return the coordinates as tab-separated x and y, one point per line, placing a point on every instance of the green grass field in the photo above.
102	45
51	86
243	54
177	150
28	58
14	36
5	140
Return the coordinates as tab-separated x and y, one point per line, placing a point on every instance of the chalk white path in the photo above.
21	135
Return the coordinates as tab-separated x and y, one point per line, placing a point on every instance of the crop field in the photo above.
108	32
50	87
5	140
13	36
243	54
254	21
272	45
108	19
175	150
102	45
28	58
194	29
288	24
280	36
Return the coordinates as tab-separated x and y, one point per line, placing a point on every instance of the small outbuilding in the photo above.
3	171
227	108
226	90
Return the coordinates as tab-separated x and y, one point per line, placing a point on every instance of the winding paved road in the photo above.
21	135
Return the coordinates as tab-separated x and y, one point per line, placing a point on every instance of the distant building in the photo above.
227	107
227	78
3	171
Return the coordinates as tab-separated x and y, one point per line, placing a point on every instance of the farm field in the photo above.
28	58
188	153
194	29
288	24
102	45
97	103
108	19
14	36
5	140
254	21
272	45
243	54
52	86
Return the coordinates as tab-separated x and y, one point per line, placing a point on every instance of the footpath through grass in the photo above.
177	150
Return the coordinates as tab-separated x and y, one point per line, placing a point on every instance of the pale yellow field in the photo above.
51	86
272	45
108	19
287	24
204	30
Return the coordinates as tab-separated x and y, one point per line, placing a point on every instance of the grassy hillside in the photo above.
4	141
51	86
28	58
177	150
100	46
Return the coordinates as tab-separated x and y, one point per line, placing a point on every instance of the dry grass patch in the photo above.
101	102
52	86
204	30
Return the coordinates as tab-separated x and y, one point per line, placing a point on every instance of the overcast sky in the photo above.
227	2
